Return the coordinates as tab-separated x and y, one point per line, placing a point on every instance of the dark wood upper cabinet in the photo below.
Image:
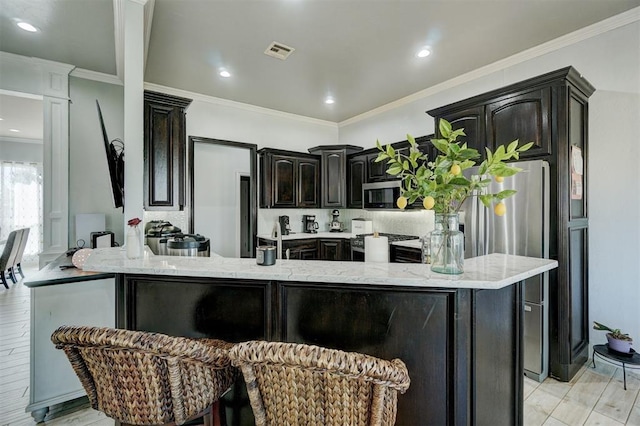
334	173
356	175
473	121
308	179
376	171
164	151
284	181
289	179
552	112
334	182
525	117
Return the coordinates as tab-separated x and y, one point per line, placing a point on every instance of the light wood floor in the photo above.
593	397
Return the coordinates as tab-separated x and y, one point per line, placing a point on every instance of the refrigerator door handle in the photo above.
482	228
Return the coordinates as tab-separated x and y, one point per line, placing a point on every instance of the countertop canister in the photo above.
266	255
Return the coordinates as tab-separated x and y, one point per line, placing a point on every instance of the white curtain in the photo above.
21	203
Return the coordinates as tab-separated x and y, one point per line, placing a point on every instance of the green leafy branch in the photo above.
442	178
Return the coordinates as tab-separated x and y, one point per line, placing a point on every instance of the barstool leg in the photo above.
624	375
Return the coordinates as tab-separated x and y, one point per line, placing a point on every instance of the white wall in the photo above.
611	62
216	190
89	183
23	152
265	128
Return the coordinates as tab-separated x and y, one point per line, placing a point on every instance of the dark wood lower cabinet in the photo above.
314	248
462	347
401	254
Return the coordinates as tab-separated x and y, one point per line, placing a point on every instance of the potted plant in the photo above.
617	340
441	186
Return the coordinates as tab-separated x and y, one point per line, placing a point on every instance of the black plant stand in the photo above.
612	356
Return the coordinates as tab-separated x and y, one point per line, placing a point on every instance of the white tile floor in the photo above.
593	397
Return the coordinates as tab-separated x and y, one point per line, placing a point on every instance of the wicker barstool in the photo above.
141	378
295	384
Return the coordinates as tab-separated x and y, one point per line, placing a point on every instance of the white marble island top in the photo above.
494	271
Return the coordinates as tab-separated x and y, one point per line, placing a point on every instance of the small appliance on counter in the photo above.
335	225
285	227
102	239
309	223
188	245
157	232
361	226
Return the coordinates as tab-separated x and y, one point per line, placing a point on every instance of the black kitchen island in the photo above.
460	336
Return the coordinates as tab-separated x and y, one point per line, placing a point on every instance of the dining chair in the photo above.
143	378
17	263
7	258
297	384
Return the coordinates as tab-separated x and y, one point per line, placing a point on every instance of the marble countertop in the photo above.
486	272
52	274
307	235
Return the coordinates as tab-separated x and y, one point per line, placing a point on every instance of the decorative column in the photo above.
133	14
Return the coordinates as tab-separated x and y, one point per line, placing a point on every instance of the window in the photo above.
21	203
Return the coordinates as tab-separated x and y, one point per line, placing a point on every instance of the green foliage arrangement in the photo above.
440	182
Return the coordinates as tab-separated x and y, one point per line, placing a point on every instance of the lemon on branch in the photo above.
428	202
401	202
500	209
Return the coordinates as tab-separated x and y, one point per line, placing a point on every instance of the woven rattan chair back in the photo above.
294	384
142	378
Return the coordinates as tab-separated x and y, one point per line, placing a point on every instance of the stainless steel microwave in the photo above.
380	195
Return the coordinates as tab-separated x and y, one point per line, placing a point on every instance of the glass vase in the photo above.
133	246
447	245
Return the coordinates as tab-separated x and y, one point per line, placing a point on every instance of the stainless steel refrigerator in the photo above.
523	230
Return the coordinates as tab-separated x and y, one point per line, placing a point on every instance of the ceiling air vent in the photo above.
279	50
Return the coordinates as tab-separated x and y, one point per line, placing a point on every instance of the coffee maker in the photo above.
285	228
335	225
309	223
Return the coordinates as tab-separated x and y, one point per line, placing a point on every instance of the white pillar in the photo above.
133	109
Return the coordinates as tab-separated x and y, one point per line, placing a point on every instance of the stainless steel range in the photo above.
357	243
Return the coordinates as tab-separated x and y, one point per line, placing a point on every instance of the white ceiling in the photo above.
361	52
22	114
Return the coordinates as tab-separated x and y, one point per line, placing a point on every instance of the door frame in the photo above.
253	184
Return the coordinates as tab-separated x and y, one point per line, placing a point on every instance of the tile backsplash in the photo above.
408	222
177	218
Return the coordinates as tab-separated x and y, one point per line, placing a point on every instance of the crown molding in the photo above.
238	105
148	21
118	35
21	94
582	34
96	76
20	140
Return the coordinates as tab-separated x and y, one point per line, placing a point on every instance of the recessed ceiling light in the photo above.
14	130
27	27
225	74
423	53
329	101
